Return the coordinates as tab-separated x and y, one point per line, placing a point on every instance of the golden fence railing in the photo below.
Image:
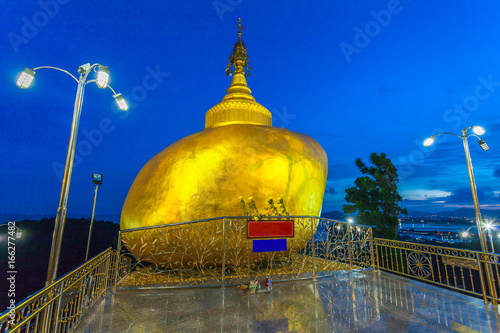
472	272
217	251
62	305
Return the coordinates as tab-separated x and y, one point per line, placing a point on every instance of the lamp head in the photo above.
121	102
478	130
25	79
97	178
483	145
429	141
102	77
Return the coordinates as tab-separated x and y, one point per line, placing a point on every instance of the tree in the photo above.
376	196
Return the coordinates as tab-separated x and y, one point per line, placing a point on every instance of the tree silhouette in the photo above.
376	196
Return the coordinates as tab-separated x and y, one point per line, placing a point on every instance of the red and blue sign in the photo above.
270	229
269	245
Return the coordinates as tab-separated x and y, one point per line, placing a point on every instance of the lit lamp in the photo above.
102	77
97	181
19	233
489	227
24	80
121	102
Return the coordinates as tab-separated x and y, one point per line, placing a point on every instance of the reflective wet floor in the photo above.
363	301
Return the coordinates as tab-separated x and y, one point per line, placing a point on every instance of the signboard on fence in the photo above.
270	229
460	262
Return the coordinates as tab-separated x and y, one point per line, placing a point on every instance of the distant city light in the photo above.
488	225
429	141
465	234
478	130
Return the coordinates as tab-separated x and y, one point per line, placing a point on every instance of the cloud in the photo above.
463	196
331	190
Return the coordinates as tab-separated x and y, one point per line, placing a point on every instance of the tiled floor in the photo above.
360	301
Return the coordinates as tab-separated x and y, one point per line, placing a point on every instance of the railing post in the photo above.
313	249
223	252
58	308
371	249
481	277
491	279
349	246
117	264
108	267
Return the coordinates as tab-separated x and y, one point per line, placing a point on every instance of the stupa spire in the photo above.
238	106
238	61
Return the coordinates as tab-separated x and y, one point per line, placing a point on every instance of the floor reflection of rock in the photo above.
363	301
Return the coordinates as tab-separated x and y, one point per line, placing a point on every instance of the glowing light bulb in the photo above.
25	79
478	130
121	102
102	77
429	141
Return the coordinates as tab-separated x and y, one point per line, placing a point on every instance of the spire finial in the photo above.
238	61
240	28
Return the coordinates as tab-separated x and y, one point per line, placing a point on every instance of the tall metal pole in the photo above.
482	238
491	241
55	250
479	221
91	223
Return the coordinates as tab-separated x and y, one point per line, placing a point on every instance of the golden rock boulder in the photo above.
238	154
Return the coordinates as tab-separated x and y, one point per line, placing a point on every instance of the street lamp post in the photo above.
465	134
484	246
24	80
97	181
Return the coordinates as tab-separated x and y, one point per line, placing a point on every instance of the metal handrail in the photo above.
324	256
80	289
473	272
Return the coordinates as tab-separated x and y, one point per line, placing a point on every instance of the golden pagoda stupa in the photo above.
239	153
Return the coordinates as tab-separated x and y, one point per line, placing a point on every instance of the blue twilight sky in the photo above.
358	76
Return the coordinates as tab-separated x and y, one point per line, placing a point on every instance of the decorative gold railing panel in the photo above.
217	252
61	306
476	273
